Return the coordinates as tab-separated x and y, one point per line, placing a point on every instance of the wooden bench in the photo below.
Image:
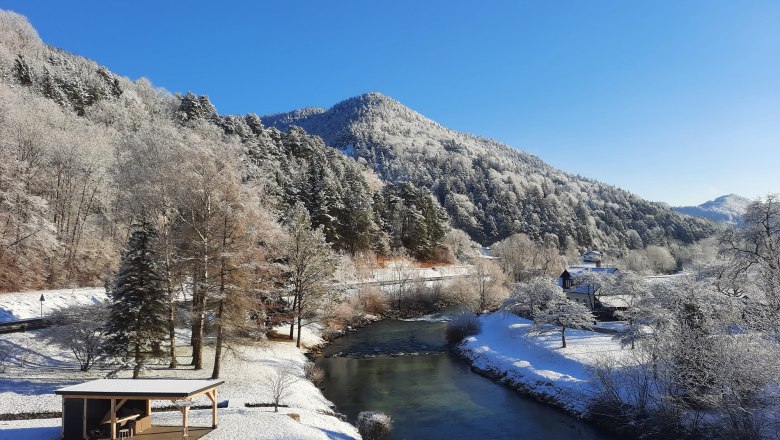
140	423
120	421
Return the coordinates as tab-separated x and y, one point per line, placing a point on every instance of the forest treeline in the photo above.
86	154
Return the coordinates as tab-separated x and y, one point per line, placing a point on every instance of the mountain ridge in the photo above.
727	208
366	101
489	188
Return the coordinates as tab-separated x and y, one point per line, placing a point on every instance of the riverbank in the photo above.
34	369
506	351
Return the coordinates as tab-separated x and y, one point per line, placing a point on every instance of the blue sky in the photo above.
677	101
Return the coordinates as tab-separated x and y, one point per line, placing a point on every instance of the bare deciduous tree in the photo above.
311	264
278	385
403	274
564	313
485	289
81	329
521	258
755	250
529	298
632	291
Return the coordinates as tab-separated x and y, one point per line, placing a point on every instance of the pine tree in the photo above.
355	215
138	311
22	71
414	220
195	107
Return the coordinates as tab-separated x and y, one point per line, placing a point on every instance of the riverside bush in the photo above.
463	325
314	373
425	299
373	301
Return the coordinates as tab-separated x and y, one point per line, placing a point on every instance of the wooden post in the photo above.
186	419
213	408
148	407
84	421
62	427
113	419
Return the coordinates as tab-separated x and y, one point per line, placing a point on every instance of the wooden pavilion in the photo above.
105	408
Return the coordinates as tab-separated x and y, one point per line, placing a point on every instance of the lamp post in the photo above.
42	300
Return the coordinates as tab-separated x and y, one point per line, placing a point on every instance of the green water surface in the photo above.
433	394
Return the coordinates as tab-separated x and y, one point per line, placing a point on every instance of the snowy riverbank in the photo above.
505	350
34	369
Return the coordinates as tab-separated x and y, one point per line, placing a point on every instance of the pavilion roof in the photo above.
141	387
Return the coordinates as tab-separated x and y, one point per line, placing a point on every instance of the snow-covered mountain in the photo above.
725	209
489	189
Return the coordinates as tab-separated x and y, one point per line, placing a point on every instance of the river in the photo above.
404	369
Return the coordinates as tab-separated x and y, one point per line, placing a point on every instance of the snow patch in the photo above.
26	305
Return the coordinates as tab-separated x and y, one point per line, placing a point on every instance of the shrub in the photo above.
373	301
425	299
374	425
314	373
340	315
353	310
81	329
463	325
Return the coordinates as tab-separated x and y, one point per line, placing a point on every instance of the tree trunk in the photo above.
654	357
138	362
172	334
194	307
171	306
294	311
221	307
197	330
298	342
220	336
197	350
196	336
563	336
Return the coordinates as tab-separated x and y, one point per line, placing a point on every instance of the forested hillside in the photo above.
87	153
489	189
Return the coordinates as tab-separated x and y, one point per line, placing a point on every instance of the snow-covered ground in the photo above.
36	429
34	369
389	273
611	326
506	347
234	424
24	305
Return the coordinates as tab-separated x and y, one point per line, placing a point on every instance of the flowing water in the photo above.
404	369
